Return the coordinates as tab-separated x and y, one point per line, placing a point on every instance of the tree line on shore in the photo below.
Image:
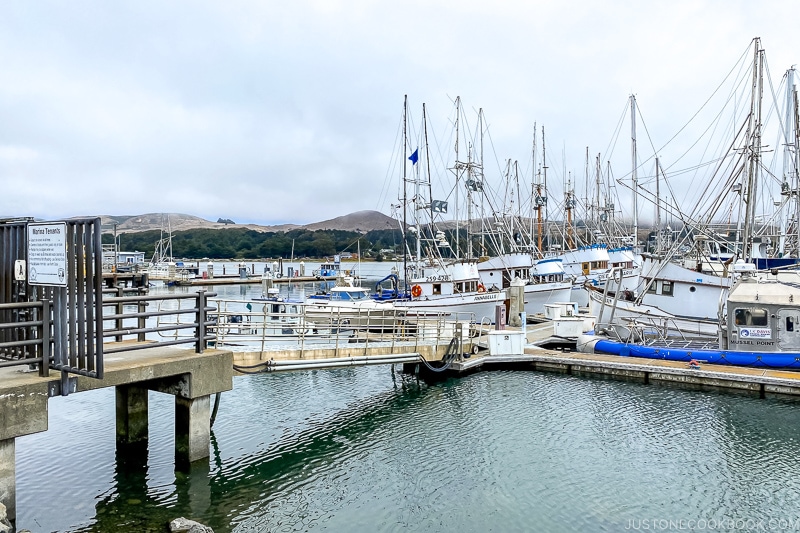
242	243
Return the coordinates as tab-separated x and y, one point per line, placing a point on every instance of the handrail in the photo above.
26	339
200	337
267	325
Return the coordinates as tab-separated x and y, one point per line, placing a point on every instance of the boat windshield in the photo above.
350	295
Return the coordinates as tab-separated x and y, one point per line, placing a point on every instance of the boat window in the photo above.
458	287
751	316
789	323
651	286
666	288
437	288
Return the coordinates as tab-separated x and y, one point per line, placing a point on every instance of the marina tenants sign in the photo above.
47	254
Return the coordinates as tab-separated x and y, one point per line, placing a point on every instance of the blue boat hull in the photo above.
717	357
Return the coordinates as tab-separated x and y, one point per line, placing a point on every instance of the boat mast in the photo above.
428	167
483	196
417	207
598	216
586	204
658	211
789	152
634	177
797	168
405	199
569	203
458	115
470	184
533	185
544	198
754	149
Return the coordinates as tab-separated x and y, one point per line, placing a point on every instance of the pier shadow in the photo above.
212	492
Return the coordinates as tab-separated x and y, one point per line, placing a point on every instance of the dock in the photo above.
238	280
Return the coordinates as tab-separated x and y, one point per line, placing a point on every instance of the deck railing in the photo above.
25	335
171	322
275	325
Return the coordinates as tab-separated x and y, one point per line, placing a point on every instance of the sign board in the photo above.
755	333
19	270
47	254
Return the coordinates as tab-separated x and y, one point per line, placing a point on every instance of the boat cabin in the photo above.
349	294
763	316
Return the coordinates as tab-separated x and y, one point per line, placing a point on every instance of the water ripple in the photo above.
363	449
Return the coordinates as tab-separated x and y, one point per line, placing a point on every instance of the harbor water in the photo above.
371	449
368	449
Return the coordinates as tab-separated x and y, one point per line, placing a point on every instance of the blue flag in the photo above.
414	157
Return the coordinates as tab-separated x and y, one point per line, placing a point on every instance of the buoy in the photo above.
481	288
416	291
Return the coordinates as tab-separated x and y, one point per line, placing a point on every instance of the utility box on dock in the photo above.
552	311
568	327
506	342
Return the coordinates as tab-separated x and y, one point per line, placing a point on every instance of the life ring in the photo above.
481	288
416	291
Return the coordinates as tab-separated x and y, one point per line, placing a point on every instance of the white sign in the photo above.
755	333
19	270
47	254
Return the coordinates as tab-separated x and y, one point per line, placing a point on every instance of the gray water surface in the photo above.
363	449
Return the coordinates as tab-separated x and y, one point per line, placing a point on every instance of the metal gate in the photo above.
59	322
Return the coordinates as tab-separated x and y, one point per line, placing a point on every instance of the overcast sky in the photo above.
275	112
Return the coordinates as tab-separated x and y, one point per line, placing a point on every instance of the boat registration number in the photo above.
755	333
437	278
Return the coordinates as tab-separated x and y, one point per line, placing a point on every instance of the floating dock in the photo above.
238	280
756	381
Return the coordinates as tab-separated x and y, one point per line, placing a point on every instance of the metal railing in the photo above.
130	319
139	321
26	340
274	325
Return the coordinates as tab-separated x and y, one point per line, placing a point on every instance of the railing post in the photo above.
120	311
44	335
201	321
141	322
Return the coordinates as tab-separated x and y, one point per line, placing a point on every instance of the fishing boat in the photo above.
761	329
756	312
454	288
545	280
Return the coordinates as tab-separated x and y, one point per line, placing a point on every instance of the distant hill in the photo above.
361	222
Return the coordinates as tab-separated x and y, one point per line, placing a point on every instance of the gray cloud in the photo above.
276	112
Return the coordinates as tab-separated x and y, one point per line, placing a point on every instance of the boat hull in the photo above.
478	307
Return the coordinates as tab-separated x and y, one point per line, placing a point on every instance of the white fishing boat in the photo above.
456	289
544	279
761	329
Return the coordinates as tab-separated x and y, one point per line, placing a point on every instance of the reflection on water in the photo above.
364	449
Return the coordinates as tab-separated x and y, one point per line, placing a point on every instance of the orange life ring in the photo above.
481	288
416	291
